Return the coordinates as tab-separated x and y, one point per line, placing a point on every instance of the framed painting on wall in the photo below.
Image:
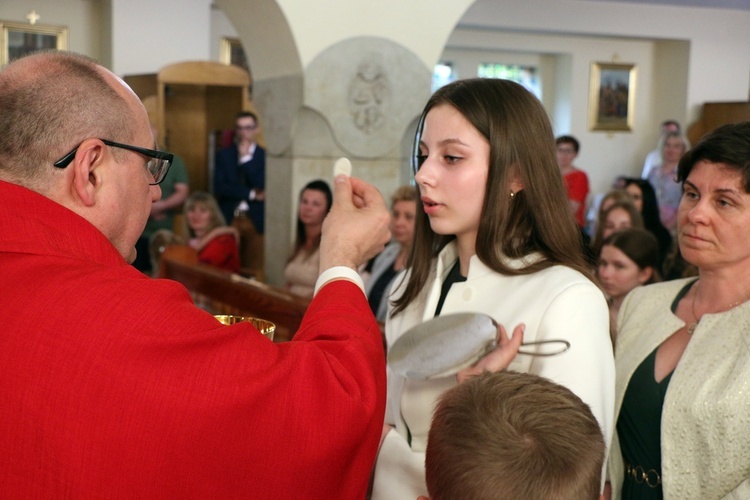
612	96
18	39
231	52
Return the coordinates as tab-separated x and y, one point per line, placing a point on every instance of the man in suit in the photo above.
240	173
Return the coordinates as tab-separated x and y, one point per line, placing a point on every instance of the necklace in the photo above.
692	326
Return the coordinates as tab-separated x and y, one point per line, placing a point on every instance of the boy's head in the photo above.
513	436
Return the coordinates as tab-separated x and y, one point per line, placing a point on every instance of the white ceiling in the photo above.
715	4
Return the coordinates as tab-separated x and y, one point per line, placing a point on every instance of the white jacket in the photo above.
556	303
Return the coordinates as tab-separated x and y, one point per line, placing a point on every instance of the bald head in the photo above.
52	101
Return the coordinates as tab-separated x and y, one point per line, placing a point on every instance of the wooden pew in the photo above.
221	292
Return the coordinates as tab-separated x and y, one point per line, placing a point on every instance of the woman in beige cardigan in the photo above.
683	351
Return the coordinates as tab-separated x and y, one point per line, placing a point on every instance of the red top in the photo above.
115	385
221	252
577	185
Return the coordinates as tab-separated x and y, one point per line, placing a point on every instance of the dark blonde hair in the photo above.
636	220
616	195
208	201
522	146
663	142
404	193
516	436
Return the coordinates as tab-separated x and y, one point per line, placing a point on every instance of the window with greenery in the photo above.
525	75
443	74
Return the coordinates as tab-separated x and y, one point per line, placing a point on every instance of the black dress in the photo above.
639	427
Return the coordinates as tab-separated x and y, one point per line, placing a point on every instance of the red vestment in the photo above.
115	385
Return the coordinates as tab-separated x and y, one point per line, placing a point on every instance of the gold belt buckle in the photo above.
640	475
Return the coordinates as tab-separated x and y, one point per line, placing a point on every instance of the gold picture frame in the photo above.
19	39
232	52
612	97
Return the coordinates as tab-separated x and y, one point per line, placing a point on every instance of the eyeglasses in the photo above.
157	166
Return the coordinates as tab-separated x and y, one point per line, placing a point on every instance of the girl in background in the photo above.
629	258
600	204
618	216
392	259
644	199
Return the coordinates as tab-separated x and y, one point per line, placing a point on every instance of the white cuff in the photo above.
336	273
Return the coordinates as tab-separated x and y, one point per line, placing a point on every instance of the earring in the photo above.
512	194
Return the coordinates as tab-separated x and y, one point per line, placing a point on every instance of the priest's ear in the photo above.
87	166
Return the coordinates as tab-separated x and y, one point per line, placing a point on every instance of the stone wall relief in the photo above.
368	90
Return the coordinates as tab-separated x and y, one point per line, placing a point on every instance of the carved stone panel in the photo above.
368	90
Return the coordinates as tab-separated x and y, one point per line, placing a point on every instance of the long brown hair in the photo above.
522	146
636	220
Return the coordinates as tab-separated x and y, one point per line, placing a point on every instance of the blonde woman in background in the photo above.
392	260
664	178
216	243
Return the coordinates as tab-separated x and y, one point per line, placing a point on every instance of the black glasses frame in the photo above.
151	153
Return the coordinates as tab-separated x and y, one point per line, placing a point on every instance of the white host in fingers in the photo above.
342	166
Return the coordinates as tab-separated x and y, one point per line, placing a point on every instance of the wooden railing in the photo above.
221	292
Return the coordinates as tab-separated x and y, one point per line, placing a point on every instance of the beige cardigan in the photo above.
705	429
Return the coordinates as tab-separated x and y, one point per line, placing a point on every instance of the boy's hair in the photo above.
514	436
